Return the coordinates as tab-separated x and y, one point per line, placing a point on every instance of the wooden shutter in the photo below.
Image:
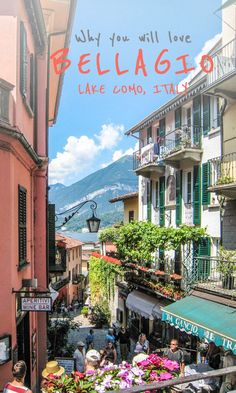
162	130
162	201
205	183
178	197
32	82
178	122
51	234
22	233
189	187
203	250
197	195
23	60
197	120
149	200
206	114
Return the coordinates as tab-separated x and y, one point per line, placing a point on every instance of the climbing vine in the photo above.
102	278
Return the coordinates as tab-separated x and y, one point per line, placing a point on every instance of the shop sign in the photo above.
199	331
36	304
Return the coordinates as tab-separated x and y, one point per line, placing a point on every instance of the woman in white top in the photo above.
142	345
17	385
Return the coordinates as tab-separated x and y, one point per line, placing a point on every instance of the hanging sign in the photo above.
36	304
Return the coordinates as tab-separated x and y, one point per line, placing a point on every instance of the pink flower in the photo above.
165	376
153	376
171	365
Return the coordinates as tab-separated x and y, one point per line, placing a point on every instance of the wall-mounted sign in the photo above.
5	349
36	303
67	363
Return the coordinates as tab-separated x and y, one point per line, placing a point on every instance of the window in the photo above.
189	117
205	183
218	112
206	114
131	215
68	256
73	254
76	252
27	71
149	135
189	187
170	192
22	233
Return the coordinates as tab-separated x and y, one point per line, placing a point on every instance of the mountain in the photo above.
116	179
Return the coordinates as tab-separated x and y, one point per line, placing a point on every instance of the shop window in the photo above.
22	231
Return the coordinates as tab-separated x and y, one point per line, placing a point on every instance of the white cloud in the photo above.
121	153
79	153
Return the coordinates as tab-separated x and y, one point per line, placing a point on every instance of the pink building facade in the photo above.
24	82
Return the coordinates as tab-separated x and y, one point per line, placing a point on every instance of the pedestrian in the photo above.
18	383
175	354
109	354
213	356
51	369
124	340
90	340
142	345
229	380
110	337
79	357
92	360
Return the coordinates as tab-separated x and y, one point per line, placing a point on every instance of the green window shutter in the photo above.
189	187
197	120
51	233
162	202
178	219
23	60
205	183
206	114
149	200
197	195
22	232
157	199
32	82
203	249
162	130
178	123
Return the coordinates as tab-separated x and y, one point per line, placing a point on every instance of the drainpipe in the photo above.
222	111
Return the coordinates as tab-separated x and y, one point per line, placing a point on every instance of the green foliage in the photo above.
138	240
102	276
57	333
225	180
100	316
85	310
227	263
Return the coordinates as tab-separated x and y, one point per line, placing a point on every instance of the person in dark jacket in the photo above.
124	340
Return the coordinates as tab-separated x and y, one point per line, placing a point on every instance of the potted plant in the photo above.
227	267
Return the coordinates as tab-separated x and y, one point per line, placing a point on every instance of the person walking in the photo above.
18	383
175	354
110	338
79	357
142	345
124	340
92	360
90	340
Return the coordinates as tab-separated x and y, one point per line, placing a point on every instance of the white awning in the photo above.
141	304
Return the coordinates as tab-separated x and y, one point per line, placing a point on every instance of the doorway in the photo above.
23	345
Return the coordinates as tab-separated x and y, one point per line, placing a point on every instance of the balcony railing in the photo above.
224	63
185	137
147	155
61	283
223	170
213	274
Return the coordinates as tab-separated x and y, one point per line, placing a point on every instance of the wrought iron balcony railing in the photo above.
223	170
185	137
224	63
149	154
213	274
61	283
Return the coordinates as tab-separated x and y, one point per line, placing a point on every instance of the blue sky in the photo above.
89	132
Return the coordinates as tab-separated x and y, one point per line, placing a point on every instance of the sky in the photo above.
89	132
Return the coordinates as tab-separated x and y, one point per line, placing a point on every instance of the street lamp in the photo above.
93	222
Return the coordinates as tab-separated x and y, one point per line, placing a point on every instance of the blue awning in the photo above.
205	319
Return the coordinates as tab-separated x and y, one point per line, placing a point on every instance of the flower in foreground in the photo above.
165	376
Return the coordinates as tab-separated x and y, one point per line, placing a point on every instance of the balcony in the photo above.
60	283
183	145
77	279
223	77
147	161
223	176
212	274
